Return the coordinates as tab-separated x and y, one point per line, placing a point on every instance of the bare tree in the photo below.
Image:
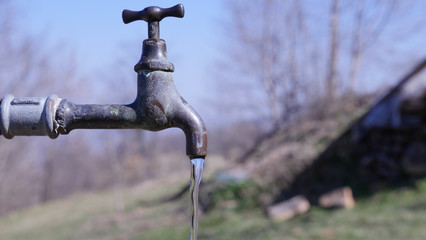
286	55
27	68
270	44
366	30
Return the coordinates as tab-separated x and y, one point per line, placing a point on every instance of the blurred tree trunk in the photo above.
331	78
356	45
118	178
47	179
366	31
268	59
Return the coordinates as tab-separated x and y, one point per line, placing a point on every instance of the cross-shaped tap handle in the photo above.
153	15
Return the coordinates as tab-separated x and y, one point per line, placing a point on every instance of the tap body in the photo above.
157	106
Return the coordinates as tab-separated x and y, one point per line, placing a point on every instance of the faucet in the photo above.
157	106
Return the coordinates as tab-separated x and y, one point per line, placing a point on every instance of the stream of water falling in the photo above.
197	166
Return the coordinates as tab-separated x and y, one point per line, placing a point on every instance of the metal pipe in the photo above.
29	116
70	116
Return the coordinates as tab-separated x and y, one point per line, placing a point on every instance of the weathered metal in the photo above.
153	15
28	116
157	106
154	53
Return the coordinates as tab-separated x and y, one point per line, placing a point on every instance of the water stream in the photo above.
197	166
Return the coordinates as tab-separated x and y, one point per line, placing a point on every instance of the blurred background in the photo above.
311	106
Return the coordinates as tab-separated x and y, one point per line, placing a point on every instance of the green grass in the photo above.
391	214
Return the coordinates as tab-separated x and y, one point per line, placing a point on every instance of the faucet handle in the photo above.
153	15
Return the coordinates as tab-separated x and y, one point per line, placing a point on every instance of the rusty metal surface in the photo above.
154	50
154	57
153	15
157	106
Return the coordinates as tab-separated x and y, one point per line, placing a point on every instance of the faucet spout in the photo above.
195	131
163	106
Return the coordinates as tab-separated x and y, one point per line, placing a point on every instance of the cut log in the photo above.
288	209
338	198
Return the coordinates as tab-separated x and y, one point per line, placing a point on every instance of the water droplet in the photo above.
146	73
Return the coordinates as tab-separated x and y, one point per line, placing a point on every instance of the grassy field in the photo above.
393	214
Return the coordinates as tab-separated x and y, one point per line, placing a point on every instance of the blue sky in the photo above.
95	32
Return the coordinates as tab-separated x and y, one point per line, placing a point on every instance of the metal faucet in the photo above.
157	106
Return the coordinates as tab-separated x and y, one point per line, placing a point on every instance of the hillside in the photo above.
390	214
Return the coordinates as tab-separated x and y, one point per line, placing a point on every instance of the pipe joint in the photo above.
29	116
